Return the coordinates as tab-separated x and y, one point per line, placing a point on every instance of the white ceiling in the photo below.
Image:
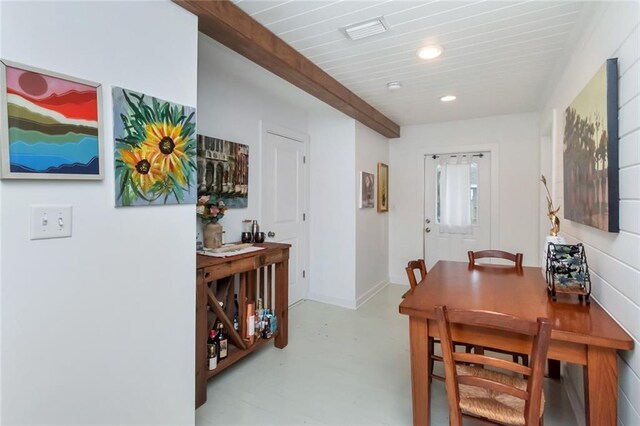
498	55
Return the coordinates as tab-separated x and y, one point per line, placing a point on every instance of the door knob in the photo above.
427	230
271	234
428	220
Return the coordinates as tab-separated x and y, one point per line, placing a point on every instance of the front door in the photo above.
439	243
283	204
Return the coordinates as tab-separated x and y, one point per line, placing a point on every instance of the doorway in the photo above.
284	201
444	242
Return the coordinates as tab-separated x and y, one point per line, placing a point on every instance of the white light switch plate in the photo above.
50	221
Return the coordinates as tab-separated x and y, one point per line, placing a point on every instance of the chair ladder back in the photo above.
470	358
446	343
412	266
541	332
497	254
538	360
495	320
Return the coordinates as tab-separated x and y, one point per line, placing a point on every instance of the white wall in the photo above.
234	97
372	228
99	328
1	204
516	140
333	217
614	259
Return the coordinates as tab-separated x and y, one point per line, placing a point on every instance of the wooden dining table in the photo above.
582	334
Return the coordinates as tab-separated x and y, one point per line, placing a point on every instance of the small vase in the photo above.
212	235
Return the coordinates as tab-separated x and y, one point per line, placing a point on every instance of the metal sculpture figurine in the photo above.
555	221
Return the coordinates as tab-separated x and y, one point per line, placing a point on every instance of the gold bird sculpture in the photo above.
552	212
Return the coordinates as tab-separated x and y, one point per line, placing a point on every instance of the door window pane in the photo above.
473	193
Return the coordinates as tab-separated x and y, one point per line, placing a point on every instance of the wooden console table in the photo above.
262	273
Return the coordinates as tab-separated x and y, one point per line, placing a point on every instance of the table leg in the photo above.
420	389
601	386
201	339
282	303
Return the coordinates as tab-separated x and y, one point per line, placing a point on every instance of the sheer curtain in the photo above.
455	195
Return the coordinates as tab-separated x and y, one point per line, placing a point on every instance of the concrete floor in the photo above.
341	367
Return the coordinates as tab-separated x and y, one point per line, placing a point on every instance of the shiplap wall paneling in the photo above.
614	259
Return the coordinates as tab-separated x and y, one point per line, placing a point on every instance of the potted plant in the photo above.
210	212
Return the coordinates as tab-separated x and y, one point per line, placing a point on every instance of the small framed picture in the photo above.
50	125
366	190
383	188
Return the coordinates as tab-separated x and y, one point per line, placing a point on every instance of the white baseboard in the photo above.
370	293
344	303
574	399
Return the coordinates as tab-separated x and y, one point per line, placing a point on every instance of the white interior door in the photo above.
440	245
283	204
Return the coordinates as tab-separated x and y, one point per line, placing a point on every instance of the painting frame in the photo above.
223	170
5	139
367	185
383	188
590	152
154	150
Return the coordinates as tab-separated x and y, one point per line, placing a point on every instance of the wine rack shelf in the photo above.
248	276
236	354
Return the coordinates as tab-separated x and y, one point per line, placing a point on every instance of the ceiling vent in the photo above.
365	29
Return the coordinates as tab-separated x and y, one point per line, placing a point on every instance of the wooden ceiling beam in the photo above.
228	24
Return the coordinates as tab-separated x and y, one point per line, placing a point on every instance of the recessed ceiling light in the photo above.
430	52
394	85
448	98
365	29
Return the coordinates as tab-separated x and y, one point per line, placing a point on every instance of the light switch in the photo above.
50	221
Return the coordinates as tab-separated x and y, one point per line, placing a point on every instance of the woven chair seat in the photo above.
492	405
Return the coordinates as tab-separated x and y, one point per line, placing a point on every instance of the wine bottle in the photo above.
236	324
266	331
212	350
256	327
273	321
250	330
222	342
260	309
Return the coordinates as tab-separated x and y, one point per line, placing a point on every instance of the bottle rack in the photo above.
260	274
250	286
567	271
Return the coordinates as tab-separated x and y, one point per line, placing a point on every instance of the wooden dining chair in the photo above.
488	394
495	254
412	267
515	258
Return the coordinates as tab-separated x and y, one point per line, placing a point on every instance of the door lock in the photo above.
427	230
428	220
271	234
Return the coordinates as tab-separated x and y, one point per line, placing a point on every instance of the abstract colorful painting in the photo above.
590	157
223	171
155	150
50	125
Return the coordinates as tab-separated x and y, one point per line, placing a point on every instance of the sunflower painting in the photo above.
155	150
